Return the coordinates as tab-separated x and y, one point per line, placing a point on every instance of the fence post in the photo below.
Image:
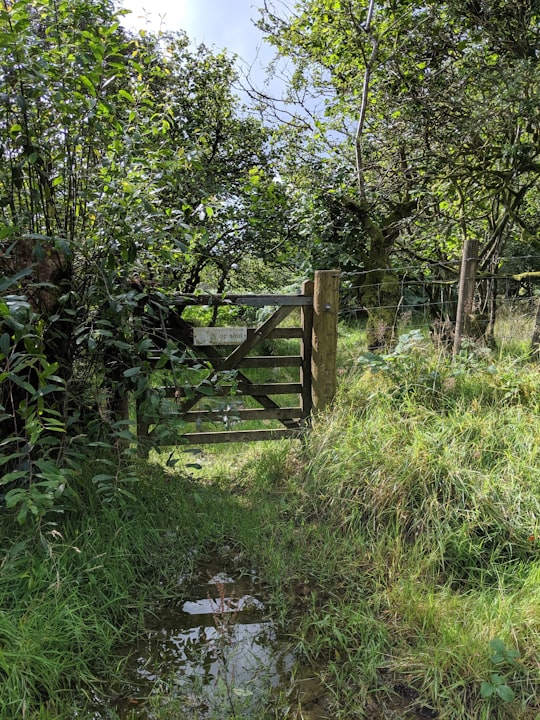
467	278
324	338
535	340
306	320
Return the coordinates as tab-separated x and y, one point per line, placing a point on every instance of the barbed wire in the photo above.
415	283
424	301
404	306
427	265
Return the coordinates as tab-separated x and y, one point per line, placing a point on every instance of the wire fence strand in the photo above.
420	296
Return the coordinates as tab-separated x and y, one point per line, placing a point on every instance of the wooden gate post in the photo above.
325	333
306	320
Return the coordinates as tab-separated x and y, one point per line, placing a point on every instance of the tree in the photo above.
129	170
437	107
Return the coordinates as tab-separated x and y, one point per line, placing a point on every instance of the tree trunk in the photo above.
380	292
535	340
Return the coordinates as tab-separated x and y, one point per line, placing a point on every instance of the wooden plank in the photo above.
219	335
245	386
250	300
260	361
260	334
306	350
229	436
265	361
283	333
254	389
244	414
271	361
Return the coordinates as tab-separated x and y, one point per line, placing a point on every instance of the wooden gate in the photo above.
211	347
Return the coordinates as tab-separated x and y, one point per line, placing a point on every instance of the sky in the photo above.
219	23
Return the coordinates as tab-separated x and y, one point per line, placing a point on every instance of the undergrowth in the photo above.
76	587
401	539
411	521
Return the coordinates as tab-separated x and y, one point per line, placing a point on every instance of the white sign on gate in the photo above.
219	335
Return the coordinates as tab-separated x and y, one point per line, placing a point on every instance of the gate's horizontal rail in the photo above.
283	333
285	413
251	300
245	388
205	438
261	361
270	388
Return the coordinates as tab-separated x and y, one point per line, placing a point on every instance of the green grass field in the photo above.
401	541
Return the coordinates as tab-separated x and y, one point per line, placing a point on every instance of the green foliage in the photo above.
399	157
497	685
418	501
400	539
34	447
75	590
129	172
404	534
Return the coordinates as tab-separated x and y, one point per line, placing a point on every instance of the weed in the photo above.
505	658
225	616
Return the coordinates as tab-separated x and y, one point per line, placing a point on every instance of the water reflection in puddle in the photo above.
213	655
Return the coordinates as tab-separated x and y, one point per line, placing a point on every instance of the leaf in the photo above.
125	435
15	496
15	475
171	461
88	84
10	280
101	478
132	371
8	458
5	344
46	390
497	645
127	96
505	693
21	383
486	689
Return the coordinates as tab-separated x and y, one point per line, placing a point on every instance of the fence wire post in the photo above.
467	278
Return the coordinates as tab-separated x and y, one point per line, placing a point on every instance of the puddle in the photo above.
214	654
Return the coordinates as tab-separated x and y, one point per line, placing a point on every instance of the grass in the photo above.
76	587
399	538
411	519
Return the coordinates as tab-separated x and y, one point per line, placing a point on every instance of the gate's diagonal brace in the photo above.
260	334
238	354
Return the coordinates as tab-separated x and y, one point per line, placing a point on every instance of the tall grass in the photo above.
400	538
77	587
410	521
